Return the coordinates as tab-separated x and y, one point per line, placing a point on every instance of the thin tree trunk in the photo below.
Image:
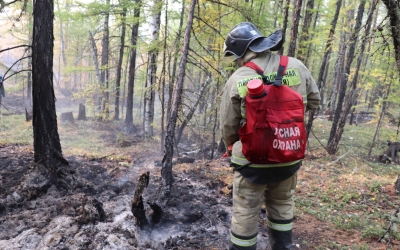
151	76
104	63
394	15
337	123
175	63
163	76
305	33
328	50
96	64
132	65
193	107
46	141
166	171
295	28
285	23
120	60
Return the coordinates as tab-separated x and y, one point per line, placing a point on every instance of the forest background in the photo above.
121	60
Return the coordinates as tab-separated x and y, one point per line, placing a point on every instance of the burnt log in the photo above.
137	207
67	117
390	155
82	112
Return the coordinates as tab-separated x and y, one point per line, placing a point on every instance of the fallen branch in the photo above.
338	159
390	225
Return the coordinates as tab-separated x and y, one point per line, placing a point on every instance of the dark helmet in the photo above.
246	36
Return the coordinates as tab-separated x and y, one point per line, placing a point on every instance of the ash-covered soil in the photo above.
97	213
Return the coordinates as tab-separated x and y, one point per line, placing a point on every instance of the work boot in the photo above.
280	240
242	242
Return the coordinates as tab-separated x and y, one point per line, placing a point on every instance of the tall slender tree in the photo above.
166	171
132	64
151	75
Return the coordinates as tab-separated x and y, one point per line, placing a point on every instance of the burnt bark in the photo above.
46	140
132	65
328	50
390	155
166	171
137	206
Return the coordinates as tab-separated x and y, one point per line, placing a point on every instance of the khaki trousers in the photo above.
248	199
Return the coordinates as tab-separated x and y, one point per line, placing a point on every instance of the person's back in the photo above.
254	183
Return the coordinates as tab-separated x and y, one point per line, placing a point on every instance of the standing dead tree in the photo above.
166	171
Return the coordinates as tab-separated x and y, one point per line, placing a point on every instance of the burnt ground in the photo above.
97	213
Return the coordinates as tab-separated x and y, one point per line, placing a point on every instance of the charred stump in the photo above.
137	208
28	115
67	117
82	112
390	155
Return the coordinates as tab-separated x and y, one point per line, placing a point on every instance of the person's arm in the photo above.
230	115
313	96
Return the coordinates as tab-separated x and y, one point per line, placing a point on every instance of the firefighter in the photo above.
255	184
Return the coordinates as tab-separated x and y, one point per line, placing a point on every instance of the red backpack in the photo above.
275	130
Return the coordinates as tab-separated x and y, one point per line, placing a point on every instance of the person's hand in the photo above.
228	152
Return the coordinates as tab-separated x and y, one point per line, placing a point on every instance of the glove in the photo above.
228	152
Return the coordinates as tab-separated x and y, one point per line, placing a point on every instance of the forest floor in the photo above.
345	201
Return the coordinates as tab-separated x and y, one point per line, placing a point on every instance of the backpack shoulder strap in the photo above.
281	70
258	70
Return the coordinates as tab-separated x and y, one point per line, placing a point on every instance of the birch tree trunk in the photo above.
151	75
120	60
335	133
132	65
166	171
328	50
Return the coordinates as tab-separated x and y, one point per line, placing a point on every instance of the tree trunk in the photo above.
151	76
285	22
175	63
96	64
120	60
82	112
193	107
166	171
46	141
339	122
104	64
393	9
132	65
305	33
295	28
328	50
163	77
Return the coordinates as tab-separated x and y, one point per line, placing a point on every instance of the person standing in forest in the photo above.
254	184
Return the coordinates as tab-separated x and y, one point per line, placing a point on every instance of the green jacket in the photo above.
232	109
